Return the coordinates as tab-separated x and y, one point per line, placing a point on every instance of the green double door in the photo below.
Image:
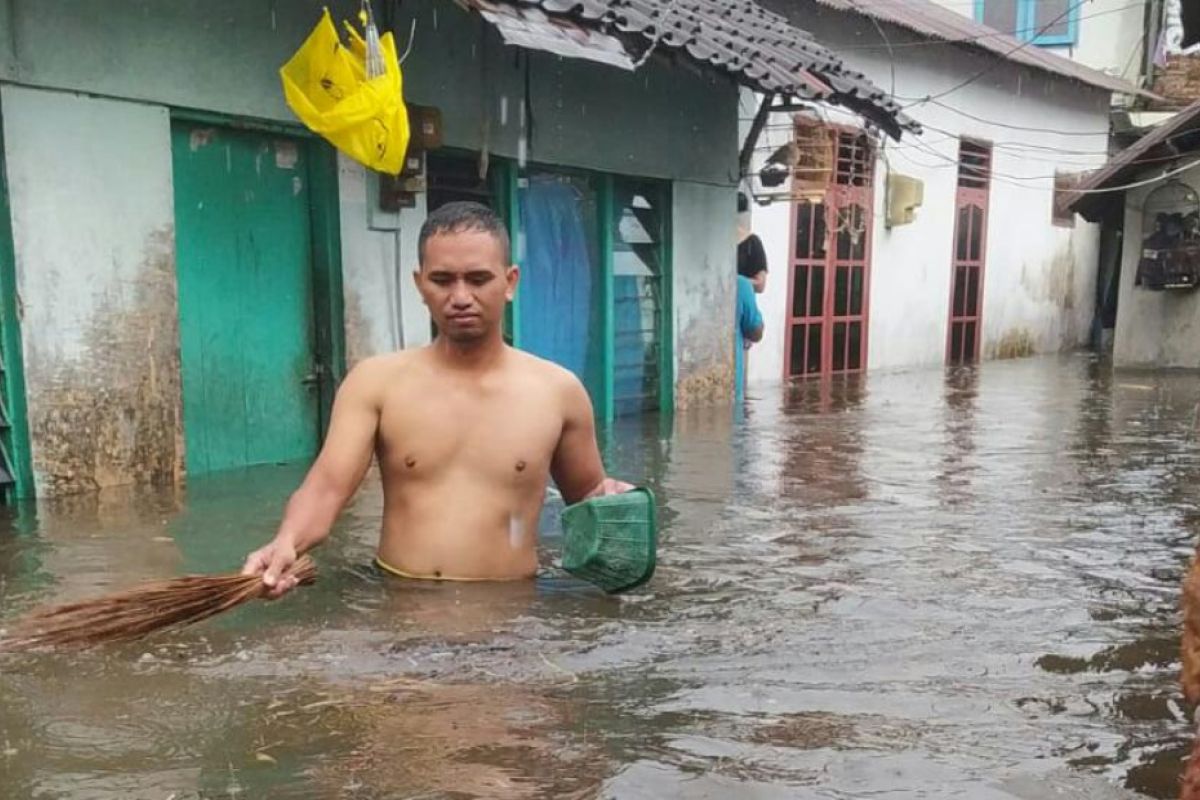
246	305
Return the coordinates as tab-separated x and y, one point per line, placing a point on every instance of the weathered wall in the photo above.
704	253
218	56
224	56
1039	281
379	254
93	228
1154	329
101	166
658	122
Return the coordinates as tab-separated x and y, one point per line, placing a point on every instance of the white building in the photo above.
1106	35
985	268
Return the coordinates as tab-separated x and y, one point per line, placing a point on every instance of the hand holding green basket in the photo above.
611	541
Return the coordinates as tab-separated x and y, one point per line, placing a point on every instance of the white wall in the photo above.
1039	278
379	254
1154	328
1110	36
93	230
704	251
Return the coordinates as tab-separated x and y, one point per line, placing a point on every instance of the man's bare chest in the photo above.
498	436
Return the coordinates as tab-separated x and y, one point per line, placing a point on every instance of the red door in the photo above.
970	250
829	279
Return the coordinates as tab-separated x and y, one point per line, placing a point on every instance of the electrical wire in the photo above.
1021	179
888	42
1009	126
992	34
1004	57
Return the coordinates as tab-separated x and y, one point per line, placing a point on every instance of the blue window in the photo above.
1044	22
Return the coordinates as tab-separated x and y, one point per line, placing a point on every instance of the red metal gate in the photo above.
970	251
829	278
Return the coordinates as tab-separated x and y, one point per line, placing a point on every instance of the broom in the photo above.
136	612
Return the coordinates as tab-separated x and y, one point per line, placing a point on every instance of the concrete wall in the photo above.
1154	328
379	254
224	56
658	122
93	228
1039	280
703	257
1111	35
89	86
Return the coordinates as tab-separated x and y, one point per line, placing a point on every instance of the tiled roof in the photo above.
757	47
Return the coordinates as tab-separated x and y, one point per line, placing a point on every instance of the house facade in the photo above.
947	247
1107	35
186	273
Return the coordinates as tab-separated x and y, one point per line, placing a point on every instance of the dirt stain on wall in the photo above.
1015	343
114	416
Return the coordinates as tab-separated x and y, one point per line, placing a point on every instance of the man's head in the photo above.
465	276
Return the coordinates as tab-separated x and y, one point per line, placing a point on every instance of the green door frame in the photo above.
666	365
666	332
325	224
507	191
608	213
504	191
14	436
505	176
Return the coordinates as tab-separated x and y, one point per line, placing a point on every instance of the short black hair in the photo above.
460	216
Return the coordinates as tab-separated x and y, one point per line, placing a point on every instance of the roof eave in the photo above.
1126	165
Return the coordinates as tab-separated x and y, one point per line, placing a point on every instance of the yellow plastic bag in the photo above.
326	85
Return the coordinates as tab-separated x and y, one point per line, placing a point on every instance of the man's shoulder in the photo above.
543	373
370	376
382	364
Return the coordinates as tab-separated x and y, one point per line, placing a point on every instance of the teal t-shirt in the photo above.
748	319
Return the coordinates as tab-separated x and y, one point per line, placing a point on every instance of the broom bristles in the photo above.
136	612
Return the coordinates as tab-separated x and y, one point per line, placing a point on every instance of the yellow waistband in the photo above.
386	567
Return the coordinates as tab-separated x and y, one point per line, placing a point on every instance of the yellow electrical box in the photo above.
904	196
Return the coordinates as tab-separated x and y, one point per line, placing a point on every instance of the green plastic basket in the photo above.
611	541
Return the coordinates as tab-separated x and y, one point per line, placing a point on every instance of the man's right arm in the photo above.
330	482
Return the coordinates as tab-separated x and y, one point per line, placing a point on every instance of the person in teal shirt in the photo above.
749	328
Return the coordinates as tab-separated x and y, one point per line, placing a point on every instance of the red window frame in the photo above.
964	333
829	264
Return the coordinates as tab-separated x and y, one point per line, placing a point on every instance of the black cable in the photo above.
1004	57
991	34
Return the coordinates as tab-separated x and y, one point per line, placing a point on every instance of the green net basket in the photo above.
611	541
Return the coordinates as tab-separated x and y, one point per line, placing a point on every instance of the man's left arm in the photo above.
576	466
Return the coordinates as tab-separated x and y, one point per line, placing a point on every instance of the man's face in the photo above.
465	281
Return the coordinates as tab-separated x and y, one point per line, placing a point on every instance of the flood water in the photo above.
917	585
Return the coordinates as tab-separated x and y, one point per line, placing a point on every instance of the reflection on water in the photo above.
917	585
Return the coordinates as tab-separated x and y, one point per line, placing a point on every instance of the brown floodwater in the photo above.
916	585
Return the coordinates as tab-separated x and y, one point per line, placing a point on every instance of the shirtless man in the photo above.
466	430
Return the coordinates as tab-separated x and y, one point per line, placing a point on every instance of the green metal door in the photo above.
244	261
